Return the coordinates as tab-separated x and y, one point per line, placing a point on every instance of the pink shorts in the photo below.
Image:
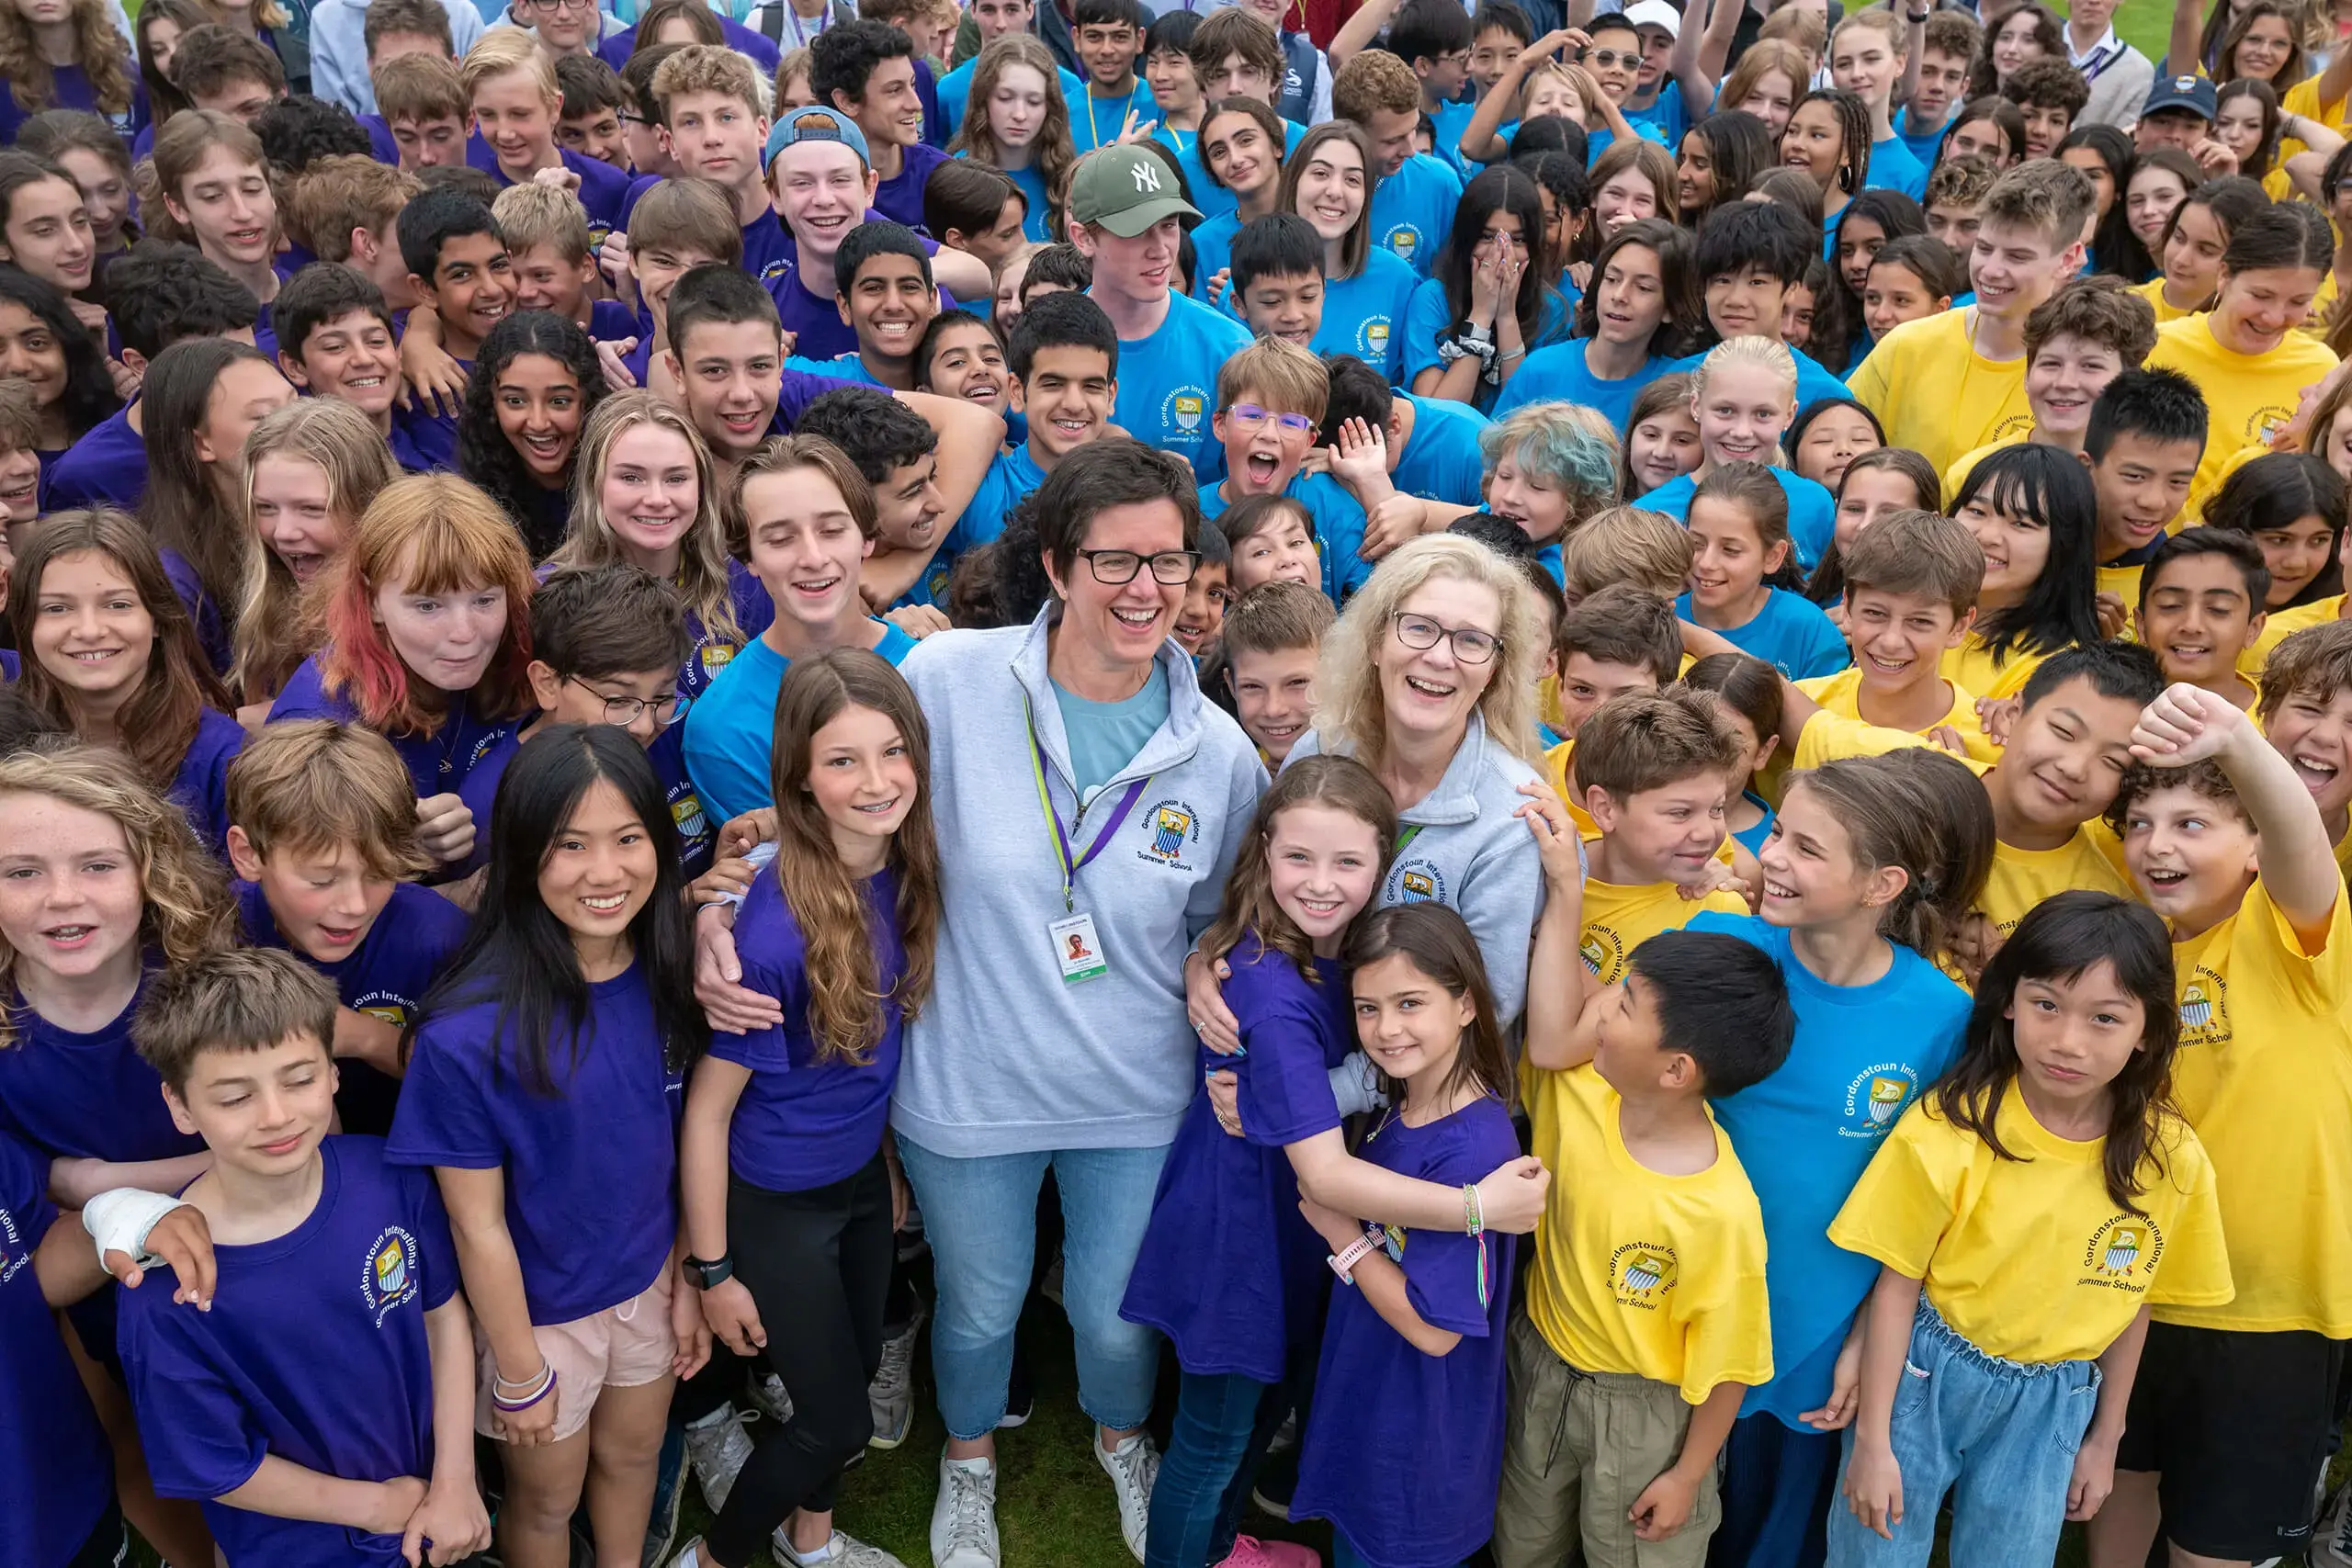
626	1346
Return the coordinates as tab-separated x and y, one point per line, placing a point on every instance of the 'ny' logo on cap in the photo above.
1147	174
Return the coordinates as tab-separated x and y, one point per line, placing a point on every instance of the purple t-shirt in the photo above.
202	787
437	763
698	837
900	198
108	466
386	976
754	612
803	1122
787	251
86	1096
821	332
211	626
590	1168
1229	1270
1403	1452
604	190
56	1471
381	141
315	1351
615	50
70	89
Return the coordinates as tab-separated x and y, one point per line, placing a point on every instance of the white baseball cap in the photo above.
1656	13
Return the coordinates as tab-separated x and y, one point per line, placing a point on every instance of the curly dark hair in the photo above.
89	396
842	58
484	454
298	132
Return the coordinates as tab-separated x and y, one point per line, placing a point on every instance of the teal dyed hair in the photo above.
1569	448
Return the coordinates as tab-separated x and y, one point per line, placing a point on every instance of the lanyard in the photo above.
1062	857
1406	838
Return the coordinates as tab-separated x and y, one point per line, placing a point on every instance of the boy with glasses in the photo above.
1270	402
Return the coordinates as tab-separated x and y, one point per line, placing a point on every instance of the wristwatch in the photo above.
702	1276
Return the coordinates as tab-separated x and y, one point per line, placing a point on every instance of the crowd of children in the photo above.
798	679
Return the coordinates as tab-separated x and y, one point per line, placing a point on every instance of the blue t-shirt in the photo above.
1813	511
1105	737
1338	521
1863	1055
590	1168
56	1470
1450	120
731	732
1599	139
1442	460
754	611
1428	317
1790	633
86	1096
956	86
437	763
1403	1452
1893	167
1815	380
1212	199
1229	1270
201	786
900	198
1167	380
1751	839
1012	477
848	367
1667	118
315	1351
1412	209
1922	149
802	1121
108	466
1364	315
1212	248
1097	121
1036	202
1558	373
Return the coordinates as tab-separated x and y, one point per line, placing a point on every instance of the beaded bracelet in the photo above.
1474	1217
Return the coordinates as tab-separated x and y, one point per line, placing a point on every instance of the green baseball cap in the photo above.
1125	190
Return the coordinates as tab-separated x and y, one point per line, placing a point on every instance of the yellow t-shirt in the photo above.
2124	582
2303	98
2153	291
2284	624
2022	878
1936	394
1556	771
2029	1258
1970	666
1841	693
2247	396
2264	1072
1957	475
2315	325
1618	919
1661	1277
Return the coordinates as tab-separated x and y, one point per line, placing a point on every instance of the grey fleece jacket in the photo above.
1006	1057
1473	853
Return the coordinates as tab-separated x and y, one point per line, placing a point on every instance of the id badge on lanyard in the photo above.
1076	947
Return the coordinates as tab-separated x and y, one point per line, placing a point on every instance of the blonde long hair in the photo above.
187	911
272	636
703	579
98	50
1348	703
1051	151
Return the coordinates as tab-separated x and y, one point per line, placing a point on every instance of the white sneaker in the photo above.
843	1551
1133	1466
691	1556
717	1448
892	1394
2331	1541
963	1518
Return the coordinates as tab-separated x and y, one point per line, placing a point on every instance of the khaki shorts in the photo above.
626	1346
1578	1448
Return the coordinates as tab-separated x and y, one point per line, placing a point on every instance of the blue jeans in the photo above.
980	1217
1999	1436
1216	1416
1779	1486
1346	1556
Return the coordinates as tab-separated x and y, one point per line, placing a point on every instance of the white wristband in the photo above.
759	855
121	1221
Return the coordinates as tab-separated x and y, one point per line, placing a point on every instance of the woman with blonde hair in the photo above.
645	491
1015	121
1428	678
1767	83
311	469
99	75
427	641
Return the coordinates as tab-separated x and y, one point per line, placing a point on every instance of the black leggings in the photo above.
817	1266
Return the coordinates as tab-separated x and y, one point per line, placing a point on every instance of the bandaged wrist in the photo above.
121	1220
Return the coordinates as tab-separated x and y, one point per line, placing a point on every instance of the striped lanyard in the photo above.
1067	862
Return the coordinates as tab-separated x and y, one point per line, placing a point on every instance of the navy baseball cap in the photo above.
2194	93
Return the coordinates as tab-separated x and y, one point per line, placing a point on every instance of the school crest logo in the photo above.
1404	241
396	1017
1375	335
1876	1098
1184	409
2013	428
2204	1010
687	812
2266	422
1642	1273
1415	882
1392	1242
393	1008
388	1279
1172	824
2122	1254
717	656
1594	954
